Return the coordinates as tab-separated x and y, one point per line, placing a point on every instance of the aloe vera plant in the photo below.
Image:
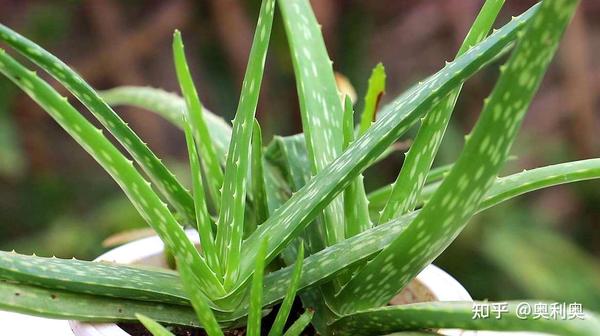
300	200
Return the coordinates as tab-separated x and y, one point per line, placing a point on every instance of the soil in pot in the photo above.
136	329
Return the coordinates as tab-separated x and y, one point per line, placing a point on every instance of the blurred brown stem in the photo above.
578	92
119	58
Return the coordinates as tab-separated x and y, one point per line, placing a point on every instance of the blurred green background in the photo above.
54	199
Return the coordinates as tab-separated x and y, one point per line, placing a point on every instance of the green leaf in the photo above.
230	225
93	277
199	301
164	180
204	222
171	107
164	286
325	264
66	305
154	327
286	305
378	198
356	205
585	170
438	173
289	220
142	284
485	151
320	105
214	175
256	292
348	122
258	177
137	189
300	324
514	185
375	90
423	150
289	155
433	315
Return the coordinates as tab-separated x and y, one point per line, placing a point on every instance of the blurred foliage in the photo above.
80	235
55	200
12	162
535	257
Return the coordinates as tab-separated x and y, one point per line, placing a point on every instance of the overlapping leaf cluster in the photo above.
301	200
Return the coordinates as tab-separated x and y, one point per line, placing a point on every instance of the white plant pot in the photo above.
149	251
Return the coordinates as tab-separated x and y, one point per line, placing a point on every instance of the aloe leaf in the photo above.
347	253
289	155
127	282
258	177
83	276
214	175
171	107
378	198
66	305
322	266
348	122
164	180
300	324
256	293
137	189
423	150
344	254
199	300
325	264
438	173
433	315
204	222
230	225
286	305
164	286
157	287
288	221
375	90
461	192
154	327
320	106
508	187
517	184
356	204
